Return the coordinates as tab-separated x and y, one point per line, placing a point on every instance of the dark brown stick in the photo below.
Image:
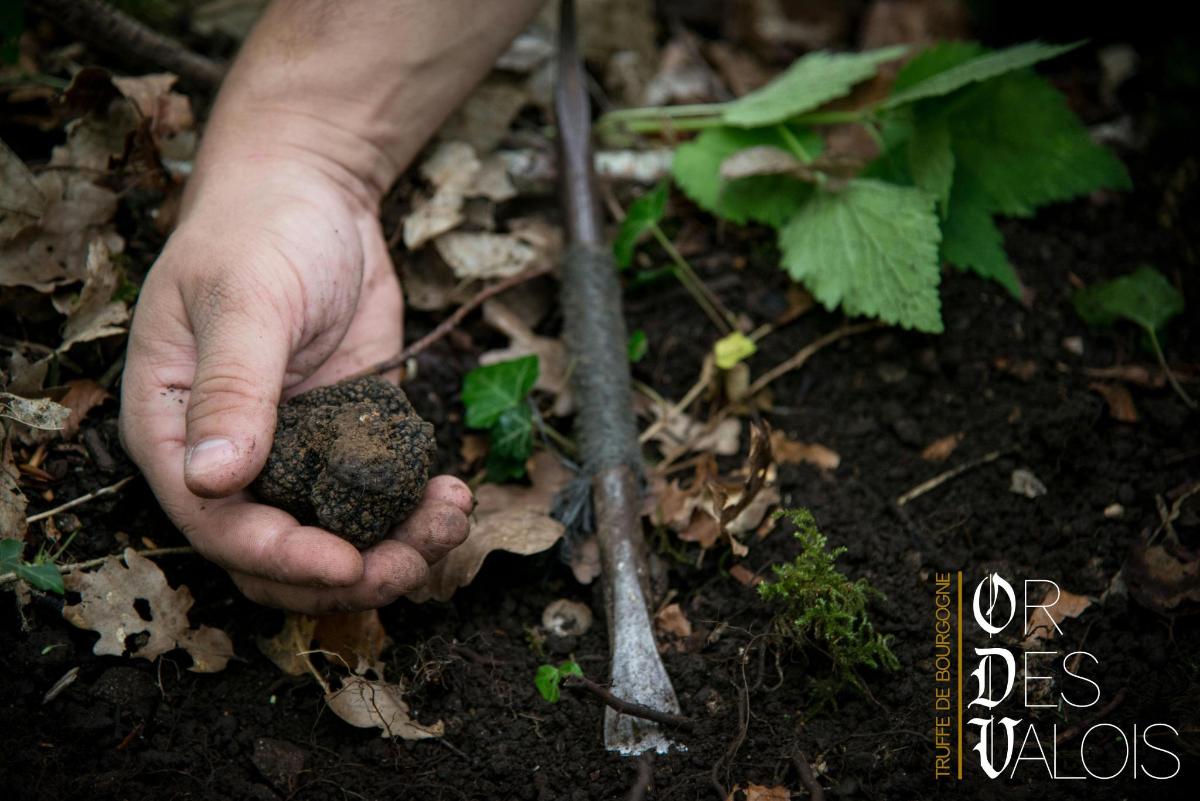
627	707
119	34
451	322
645	776
806	776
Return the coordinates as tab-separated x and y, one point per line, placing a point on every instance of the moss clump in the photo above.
819	607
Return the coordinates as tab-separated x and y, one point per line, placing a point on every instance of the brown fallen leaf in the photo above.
483	254
507	518
167	113
83	395
680	428
1042	622
94	315
744	575
356	638
940	449
1138	374
450	169
789	451
21	202
377	704
1162	577
551	353
288	649
483	119
764	160
758	792
1119	400
672	620
12	500
107	606
39	413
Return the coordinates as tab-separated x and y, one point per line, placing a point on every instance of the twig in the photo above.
627	707
707	373
806	776
451	322
942	478
9	578
106	28
1162	361
645	775
82	499
1071	732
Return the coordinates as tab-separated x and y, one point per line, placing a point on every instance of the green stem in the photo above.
798	149
1162	361
692	283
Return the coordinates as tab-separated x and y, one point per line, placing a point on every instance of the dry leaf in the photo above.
507	518
1042	621
940	449
21	202
789	451
585	560
357	638
451	169
1120	401
377	704
680	428
483	119
168	113
12	500
758	792
106	606
93	315
482	254
1160	578
762	160
288	648
40	413
1138	374
671	620
744	575
551	353
682	75
83	395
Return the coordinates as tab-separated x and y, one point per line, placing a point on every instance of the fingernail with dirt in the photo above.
207	457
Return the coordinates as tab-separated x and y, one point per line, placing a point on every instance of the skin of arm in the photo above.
277	279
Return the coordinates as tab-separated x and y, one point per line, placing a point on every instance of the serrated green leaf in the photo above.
872	248
976	70
810	82
971	240
547	680
1145	297
934	60
770	199
931	159
644	213
490	391
1023	146
638	346
44	577
731	349
512	433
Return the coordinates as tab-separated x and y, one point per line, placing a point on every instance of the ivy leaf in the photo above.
810	82
975	70
871	247
731	349
971	240
1024	147
644	213
490	391
770	199
1145	297
512	433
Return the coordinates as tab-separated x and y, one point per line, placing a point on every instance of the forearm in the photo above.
355	86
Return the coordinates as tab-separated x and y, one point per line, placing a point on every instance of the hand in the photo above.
276	280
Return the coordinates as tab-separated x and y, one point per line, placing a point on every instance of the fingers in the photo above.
242	355
391	569
440	523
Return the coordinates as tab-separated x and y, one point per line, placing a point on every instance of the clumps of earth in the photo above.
352	458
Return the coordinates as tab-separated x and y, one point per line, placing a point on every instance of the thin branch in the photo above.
451	322
9	578
82	499
942	478
815	791
1162	361
626	707
108	29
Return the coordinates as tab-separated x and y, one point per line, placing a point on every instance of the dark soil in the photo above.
1001	374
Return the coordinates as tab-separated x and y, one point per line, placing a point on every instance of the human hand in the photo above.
276	280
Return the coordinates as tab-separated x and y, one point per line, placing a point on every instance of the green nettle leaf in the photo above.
731	349
644	213
976	70
871	247
1018	139
638	346
769	199
490	391
931	159
971	240
1144	297
810	82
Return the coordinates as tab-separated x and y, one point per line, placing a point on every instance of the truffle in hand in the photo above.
352	458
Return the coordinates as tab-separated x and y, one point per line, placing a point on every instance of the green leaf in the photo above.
873	248
770	199
933	61
731	349
976	70
512	433
809	83
971	240
1145	297
1017	138
638	346
547	680
570	668
490	391
931	159
44	577
10	551
644	213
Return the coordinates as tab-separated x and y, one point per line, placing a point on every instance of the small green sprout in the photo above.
41	573
819	607
549	678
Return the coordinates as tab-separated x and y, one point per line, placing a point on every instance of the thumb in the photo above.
240	366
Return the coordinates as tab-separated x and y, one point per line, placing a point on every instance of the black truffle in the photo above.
352	458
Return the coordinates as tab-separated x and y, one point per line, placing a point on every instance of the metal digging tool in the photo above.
595	336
